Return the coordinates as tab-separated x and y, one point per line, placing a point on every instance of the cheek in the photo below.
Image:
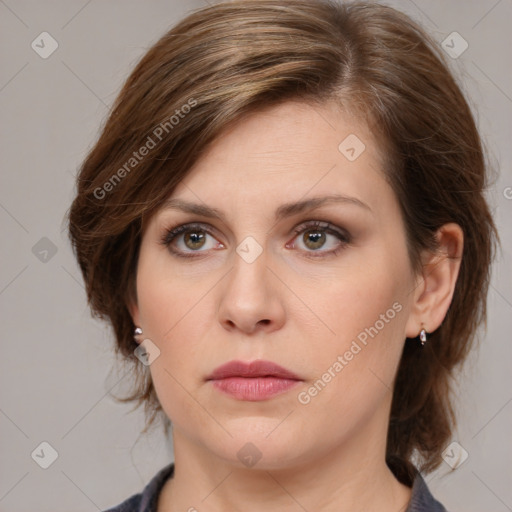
354	372
176	316
364	311
165	298
170	320
176	319
364	302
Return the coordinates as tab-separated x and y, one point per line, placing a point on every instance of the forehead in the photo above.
291	151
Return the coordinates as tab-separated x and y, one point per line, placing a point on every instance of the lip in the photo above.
253	381
257	368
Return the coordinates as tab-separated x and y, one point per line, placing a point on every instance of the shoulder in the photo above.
422	499
146	501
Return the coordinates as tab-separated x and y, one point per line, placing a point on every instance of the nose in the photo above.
250	300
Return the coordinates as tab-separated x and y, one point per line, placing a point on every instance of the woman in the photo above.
284	222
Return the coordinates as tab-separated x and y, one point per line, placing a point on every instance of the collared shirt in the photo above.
146	501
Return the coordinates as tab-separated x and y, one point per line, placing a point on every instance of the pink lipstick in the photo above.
254	381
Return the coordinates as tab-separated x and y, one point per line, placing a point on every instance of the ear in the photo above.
133	307
434	291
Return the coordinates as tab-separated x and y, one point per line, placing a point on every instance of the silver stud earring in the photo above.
137	332
423	336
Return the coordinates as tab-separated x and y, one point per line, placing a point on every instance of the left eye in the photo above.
316	235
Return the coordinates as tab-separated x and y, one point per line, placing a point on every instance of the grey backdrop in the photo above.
56	361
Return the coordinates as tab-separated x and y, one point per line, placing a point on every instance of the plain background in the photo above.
56	361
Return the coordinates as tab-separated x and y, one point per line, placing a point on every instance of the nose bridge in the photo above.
248	277
249	298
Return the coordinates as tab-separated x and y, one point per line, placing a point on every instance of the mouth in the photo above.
254	381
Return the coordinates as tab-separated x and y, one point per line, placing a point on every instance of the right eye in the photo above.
187	239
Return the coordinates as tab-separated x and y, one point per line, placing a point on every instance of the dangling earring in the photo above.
423	336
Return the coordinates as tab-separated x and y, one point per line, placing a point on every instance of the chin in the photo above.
261	446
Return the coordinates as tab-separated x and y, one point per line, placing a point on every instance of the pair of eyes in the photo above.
191	240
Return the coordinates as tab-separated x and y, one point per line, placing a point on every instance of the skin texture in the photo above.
296	305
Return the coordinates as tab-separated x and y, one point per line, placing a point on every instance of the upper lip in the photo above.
258	368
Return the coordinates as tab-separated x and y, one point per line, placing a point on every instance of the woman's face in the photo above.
323	290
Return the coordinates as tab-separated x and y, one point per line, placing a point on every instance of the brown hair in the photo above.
225	61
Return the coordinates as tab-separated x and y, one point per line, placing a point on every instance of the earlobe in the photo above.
134	312
434	293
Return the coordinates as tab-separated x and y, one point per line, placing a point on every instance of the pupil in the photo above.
197	240
315	237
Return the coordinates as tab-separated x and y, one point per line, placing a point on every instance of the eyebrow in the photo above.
284	211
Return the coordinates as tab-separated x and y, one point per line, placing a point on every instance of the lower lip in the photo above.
254	388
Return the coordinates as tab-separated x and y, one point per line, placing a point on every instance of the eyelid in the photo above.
324	225
172	233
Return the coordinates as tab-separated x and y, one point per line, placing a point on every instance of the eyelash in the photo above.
171	234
